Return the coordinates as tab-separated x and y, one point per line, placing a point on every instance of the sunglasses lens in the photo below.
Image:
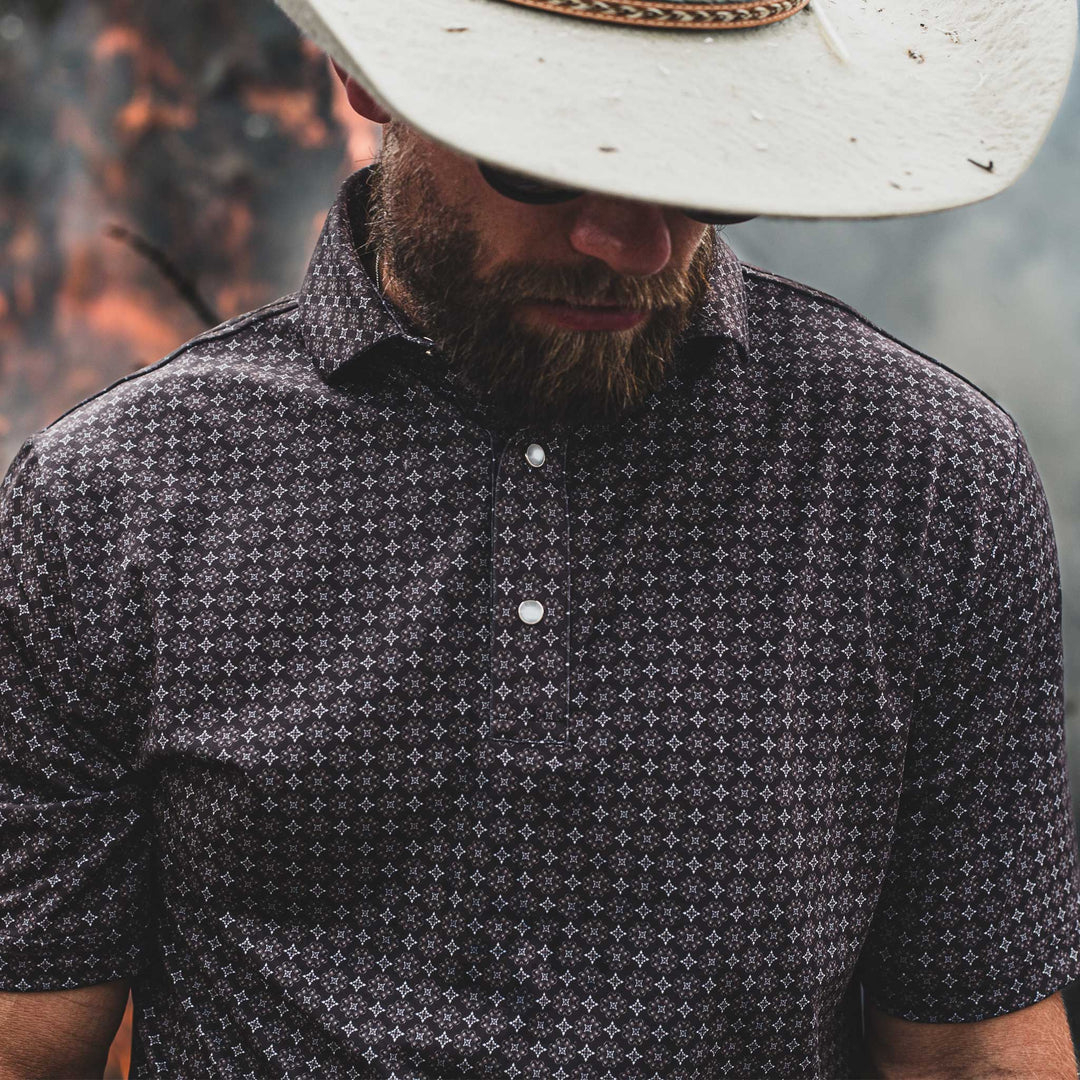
523	188
716	219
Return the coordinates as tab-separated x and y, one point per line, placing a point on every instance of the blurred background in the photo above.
167	166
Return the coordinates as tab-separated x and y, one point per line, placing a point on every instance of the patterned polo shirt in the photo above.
368	735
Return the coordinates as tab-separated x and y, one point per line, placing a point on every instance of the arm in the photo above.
1031	1042
977	914
75	854
61	1033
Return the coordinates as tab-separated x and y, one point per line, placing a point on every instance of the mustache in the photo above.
586	285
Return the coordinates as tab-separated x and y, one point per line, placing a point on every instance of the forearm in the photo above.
63	1033
1032	1042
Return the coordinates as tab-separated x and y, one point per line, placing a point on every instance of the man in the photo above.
543	647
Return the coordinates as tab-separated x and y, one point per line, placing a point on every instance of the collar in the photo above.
344	317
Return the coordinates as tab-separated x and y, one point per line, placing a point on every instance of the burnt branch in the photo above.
183	286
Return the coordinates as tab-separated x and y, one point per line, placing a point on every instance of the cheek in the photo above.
516	233
686	238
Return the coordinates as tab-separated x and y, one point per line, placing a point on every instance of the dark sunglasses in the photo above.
524	189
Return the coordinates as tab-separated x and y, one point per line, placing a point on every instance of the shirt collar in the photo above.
343	316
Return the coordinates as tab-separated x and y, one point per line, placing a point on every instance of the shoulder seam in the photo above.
215	333
817	294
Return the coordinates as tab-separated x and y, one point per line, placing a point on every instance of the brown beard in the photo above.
528	375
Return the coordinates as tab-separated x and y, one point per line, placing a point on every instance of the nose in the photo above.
633	238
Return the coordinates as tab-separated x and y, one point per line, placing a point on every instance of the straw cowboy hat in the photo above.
833	108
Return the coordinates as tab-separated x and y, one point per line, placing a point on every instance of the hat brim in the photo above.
933	107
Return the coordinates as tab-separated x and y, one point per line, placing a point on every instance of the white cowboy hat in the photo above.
846	108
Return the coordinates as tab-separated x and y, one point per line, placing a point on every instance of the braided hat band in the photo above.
671	15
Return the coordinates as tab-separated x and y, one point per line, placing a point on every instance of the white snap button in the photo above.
534	455
530	611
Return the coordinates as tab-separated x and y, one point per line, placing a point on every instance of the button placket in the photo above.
530	657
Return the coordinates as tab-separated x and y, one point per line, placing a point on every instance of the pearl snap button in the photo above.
534	455
530	611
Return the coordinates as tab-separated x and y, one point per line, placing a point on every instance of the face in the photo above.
568	312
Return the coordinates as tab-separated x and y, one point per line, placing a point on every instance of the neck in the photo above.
392	292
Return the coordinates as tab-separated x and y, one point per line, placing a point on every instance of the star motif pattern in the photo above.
276	746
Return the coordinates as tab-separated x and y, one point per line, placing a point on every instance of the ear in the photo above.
360	100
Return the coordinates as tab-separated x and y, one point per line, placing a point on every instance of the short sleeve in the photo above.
979	911
73	858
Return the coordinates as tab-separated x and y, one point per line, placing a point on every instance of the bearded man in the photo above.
544	647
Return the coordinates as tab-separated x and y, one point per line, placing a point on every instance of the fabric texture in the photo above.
276	746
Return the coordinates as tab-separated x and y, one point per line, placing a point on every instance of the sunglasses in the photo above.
524	189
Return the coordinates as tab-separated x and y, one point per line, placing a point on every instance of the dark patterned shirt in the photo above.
368	735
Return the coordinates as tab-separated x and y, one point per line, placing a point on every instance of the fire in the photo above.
152	60
189	189
295	110
119	1063
143	112
87	309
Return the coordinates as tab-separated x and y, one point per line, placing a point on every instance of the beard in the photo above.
527	375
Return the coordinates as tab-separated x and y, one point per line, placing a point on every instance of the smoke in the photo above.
160	165
991	291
